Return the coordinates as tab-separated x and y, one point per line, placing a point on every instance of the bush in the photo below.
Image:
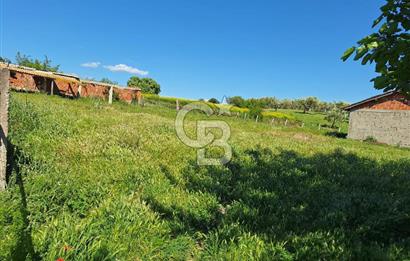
213	100
335	117
255	112
370	139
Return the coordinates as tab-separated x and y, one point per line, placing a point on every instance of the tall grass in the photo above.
97	182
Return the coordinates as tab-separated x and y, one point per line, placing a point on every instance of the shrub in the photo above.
370	139
213	100
255	112
335	116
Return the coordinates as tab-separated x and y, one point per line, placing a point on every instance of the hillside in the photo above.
99	182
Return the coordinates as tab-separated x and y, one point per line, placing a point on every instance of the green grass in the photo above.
312	120
309	120
97	182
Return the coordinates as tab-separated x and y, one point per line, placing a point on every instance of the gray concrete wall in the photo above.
4	107
390	127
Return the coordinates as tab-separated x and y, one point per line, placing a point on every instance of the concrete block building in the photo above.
385	117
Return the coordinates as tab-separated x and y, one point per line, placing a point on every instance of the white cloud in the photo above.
125	68
91	64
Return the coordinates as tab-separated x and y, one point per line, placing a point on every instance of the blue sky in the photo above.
201	49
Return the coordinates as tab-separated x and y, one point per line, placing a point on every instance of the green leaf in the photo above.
360	52
380	82
367	58
348	53
383	29
378	20
372	45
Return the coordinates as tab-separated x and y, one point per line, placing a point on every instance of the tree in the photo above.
309	103
4	60
341	105
324	106
335	116
25	60
286	104
268	102
388	48
213	100
253	102
274	103
236	101
147	85
106	80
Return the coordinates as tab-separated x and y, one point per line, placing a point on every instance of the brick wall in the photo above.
67	86
94	90
21	81
392	105
392	102
127	95
390	127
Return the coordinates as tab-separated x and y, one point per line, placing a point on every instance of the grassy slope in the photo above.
311	120
94	181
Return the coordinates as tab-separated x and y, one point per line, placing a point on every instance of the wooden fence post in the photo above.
110	95
80	88
177	105
4	107
52	87
286	122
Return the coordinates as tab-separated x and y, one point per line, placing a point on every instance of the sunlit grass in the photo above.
104	182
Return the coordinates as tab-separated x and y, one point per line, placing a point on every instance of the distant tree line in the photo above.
43	65
306	104
38	64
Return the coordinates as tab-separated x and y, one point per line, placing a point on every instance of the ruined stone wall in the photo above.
22	81
94	90
386	126
128	95
69	87
66	88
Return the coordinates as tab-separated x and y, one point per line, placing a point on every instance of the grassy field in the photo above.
91	181
310	120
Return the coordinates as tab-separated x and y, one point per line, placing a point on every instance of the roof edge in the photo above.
48	74
374	98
